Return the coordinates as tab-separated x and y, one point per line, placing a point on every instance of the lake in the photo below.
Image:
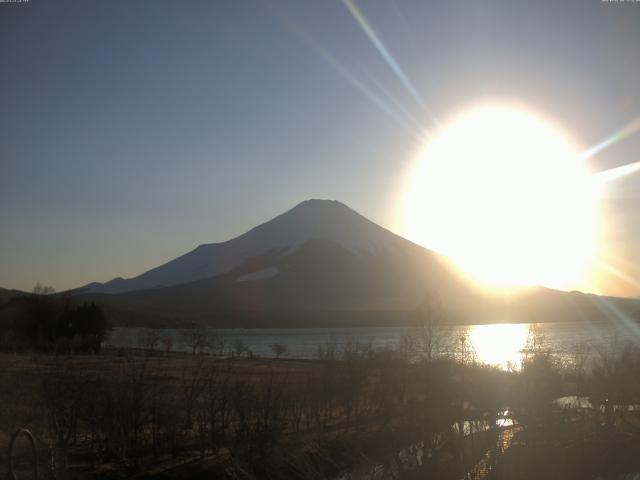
500	344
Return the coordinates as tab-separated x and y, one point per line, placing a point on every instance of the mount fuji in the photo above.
325	221
323	264
320	256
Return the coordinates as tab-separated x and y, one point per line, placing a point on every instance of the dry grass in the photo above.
144	414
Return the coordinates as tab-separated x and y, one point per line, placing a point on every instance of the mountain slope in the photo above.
310	220
319	283
7	294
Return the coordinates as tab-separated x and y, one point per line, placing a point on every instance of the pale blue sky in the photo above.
131	131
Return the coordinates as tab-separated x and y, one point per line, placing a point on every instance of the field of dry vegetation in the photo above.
361	413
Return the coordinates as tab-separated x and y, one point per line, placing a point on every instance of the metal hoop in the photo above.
23	431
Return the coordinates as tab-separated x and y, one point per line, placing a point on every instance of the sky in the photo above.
132	131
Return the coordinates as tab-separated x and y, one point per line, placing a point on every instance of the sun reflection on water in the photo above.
499	344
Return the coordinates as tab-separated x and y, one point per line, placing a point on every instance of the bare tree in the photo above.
167	342
239	347
193	383
149	338
328	350
353	375
62	389
196	338
432	335
39	289
279	349
217	342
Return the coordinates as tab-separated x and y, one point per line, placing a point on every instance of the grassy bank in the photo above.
143	414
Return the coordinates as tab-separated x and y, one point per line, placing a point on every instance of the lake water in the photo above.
496	344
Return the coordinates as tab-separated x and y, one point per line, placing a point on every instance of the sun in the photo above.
506	196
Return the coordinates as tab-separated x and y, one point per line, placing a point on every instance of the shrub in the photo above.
47	323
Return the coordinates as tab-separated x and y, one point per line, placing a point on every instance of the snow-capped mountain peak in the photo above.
327	220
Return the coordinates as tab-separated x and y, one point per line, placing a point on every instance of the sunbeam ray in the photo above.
386	55
615	173
334	63
606	266
628	130
611	310
410	118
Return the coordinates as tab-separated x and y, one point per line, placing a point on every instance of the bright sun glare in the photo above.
507	198
499	344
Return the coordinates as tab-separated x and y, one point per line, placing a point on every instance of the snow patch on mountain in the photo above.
259	275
